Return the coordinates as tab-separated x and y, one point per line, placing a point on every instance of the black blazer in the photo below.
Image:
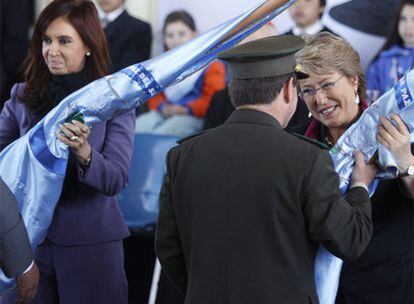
243	209
14	42
15	249
129	41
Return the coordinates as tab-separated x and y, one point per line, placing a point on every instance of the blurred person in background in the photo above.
81	259
396	56
307	15
129	38
181	108
14	42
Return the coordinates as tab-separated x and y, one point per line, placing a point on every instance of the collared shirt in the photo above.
310	30
111	16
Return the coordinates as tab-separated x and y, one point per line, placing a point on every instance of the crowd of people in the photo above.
246	198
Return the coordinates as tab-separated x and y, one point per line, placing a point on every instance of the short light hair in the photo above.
325	53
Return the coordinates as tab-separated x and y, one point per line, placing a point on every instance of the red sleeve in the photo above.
155	101
214	81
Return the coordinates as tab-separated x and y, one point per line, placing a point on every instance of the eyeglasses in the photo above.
309	93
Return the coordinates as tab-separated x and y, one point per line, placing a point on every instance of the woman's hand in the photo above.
76	137
170	110
396	138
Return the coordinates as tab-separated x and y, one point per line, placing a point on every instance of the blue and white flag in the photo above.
34	166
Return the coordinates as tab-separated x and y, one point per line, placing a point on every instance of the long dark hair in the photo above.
83	16
393	35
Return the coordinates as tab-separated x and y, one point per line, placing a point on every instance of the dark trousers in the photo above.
80	274
167	293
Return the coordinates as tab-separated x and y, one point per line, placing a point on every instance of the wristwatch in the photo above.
408	172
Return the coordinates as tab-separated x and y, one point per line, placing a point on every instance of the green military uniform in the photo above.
245	206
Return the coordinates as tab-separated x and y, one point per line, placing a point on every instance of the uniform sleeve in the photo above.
9	126
15	249
167	241
109	168
214	81
343	225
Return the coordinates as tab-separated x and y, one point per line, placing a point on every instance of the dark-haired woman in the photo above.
81	259
397	55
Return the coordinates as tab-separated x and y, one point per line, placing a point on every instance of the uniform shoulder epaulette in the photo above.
181	140
312	141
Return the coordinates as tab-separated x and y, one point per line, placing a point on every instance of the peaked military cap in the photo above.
266	57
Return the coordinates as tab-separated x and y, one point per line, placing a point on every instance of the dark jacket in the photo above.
87	212
243	209
15	250
14	42
219	110
324	29
129	41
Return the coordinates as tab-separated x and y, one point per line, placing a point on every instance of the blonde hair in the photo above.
325	53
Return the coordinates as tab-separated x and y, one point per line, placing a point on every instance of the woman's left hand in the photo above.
396	138
76	137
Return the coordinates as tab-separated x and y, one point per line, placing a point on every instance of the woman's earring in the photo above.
88	54
309	114
357	100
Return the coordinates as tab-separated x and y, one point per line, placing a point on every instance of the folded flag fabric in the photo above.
34	166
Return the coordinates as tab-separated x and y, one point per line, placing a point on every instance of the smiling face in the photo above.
306	12
406	25
63	49
335	106
176	34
